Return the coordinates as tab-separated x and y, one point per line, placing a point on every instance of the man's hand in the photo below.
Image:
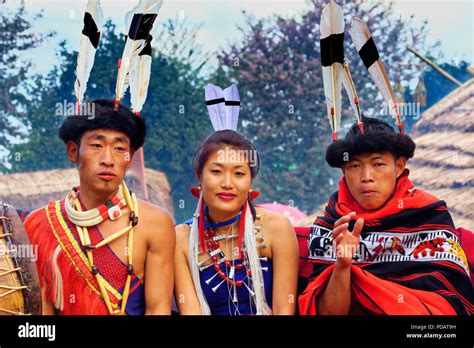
345	242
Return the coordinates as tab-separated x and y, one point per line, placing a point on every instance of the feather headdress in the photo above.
332	59
93	19
141	23
369	54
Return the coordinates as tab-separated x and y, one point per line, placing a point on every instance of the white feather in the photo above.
130	53
217	112
86	55
149	6
133	47
140	79
231	94
332	22
360	34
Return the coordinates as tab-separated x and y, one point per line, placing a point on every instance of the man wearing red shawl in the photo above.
100	250
383	246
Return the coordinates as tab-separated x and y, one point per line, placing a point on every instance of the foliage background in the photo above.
276	67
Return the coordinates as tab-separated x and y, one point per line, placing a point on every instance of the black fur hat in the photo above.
378	136
104	116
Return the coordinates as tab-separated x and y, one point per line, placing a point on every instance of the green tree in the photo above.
16	37
278	71
174	111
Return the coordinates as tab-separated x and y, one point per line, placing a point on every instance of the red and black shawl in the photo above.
409	262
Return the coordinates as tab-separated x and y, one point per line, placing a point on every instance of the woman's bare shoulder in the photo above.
182	234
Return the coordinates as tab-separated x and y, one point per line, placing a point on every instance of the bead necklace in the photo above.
87	220
218	258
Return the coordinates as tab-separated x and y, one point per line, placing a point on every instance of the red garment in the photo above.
378	296
72	279
415	274
404	197
467	242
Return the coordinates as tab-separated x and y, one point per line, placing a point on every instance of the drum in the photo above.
20	292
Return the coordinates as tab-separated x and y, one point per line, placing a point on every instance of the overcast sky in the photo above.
450	22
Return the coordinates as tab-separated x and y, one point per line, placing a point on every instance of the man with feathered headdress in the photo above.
101	250
383	246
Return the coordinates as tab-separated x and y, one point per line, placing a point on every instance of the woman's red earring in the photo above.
196	191
253	194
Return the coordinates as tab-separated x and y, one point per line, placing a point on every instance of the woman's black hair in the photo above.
215	142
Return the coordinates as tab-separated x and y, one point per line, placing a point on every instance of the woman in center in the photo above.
232	258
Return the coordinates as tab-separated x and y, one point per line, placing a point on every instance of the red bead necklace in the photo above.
213	245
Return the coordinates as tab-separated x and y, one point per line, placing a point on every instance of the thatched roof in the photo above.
444	156
29	191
